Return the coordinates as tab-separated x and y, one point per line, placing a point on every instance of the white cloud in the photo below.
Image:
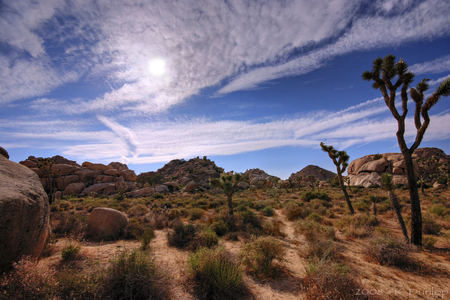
439	65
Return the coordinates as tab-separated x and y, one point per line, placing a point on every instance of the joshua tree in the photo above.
383	72
229	184
340	160
311	181
386	182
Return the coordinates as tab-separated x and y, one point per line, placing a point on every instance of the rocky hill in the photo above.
367	170
318	172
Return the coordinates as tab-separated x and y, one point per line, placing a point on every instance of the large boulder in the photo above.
25	213
106	224
100	189
96	167
128	175
190	187
63	169
74	189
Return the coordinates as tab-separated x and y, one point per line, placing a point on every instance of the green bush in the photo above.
158	196
249	217
429	225
146	238
70	251
268	211
293	211
219	227
182	235
438	210
309	195
428	241
259	254
216	274
362	206
137	211
134	275
196	213
205	238
315	217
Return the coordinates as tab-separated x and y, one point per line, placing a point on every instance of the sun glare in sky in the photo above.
157	67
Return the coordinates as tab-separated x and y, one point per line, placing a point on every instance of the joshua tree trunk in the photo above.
374	208
416	212
398	211
347	198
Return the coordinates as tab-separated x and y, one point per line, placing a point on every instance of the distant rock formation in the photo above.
4	152
192	174
69	178
257	177
367	170
25	213
317	172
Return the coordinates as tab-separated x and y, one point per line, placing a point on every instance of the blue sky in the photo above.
250	84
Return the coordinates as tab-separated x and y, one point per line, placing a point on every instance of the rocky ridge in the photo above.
69	178
367	170
317	172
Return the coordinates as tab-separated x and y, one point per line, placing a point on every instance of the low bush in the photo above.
330	280
71	251
146	238
357	220
137	211
428	241
390	251
259	254
205	238
28	280
216	275
309	195
293	211
268	211
438	210
182	235
273	227
134	275
196	213
430	226
319	239
219	227
79	285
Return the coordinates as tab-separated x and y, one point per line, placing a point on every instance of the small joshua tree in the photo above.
384	71
229	184
340	160
386	182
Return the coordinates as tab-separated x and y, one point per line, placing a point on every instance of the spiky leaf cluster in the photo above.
340	158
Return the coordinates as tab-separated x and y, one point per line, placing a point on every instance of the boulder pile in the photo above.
258	178
183	175
69	178
367	170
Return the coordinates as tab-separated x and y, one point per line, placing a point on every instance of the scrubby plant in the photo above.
196	213
79	285
259	254
146	238
268	211
438	210
273	227
28	280
430	226
309	195
330	280
134	275
389	250
70	251
219	227
319	239
356	220
137	211
429	241
293	211
216	274
205	238
182	235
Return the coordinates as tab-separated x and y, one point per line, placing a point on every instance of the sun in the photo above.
157	67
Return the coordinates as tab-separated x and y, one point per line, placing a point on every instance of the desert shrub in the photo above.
28	280
315	217
69	224
273	227
249	217
219	227
205	238
70	251
134	275
268	211
182	235
354	231
430	226
65	205
330	280
78	285
319	239
216	274
380	230
137	211
293	211
158	196
361	206
428	241
134	229
438	210
158	220
357	220
146	238
384	206
167	204
173	213
259	255
196	213
309	195
389	250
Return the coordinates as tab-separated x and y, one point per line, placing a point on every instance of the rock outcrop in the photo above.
317	172
70	178
258	178
25	213
367	170
106	224
4	153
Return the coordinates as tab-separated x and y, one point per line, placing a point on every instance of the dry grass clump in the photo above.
294	211
216	275
390	251
330	280
319	240
134	275
259	255
356	226
71	251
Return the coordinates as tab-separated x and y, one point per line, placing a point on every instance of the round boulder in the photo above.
105	224
25	213
4	152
